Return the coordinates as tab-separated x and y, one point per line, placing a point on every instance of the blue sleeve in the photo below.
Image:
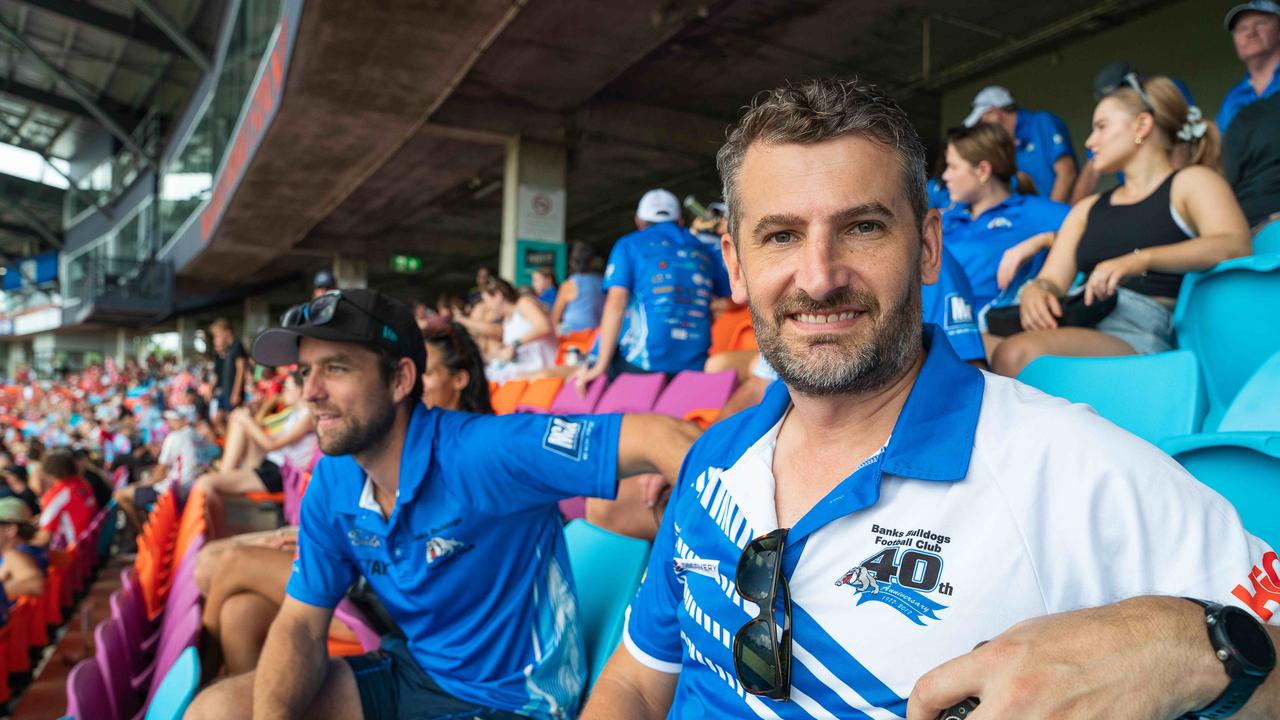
1059	138
652	631
720	275
948	304
507	463
620	271
322	571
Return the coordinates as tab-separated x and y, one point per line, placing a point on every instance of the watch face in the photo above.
1249	638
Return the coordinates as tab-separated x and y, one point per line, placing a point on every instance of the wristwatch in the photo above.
1246	652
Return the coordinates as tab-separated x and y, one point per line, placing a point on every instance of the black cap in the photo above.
1109	78
324	280
361	316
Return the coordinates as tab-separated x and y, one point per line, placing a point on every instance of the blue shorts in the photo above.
1143	323
394	687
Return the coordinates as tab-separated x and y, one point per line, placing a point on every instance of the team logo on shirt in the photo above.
902	573
440	548
565	437
999	222
697	566
363	538
958	312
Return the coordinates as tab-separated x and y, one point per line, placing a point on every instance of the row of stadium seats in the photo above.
691	394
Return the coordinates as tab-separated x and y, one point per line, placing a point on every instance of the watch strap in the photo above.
1239	688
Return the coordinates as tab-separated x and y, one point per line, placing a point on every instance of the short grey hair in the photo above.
818	110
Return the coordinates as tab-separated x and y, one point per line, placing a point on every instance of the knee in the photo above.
230	698
206	567
1013	354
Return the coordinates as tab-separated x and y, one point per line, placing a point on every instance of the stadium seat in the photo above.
693	390
181	636
1226	316
727	330
1257	405
1152	396
1244	467
87	692
631	393
539	396
607	569
352	617
1267	241
508	395
177	689
582	339
568	402
114	663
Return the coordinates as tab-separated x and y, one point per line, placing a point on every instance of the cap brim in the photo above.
279	346
975	115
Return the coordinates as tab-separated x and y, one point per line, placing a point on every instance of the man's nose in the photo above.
822	269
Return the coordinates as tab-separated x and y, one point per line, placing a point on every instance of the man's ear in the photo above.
405	377
737	279
931	247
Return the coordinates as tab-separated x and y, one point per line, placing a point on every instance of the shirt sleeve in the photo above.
620	271
652	630
504	464
948	304
53	509
1058	138
322	571
168	450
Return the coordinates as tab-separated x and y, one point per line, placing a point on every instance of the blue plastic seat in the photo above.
1227	317
1243	467
1257	405
607	569
177	689
1152	396
1267	241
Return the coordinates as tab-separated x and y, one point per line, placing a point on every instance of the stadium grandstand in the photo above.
564	358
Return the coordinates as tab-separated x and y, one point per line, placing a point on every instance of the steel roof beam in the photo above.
51	100
174	33
36	224
123	26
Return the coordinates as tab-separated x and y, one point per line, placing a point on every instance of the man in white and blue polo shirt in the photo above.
452	519
887	508
1043	143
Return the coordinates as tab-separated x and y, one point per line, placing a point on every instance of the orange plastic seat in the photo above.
745	338
344	648
726	329
703	417
508	396
265	497
582	339
539	395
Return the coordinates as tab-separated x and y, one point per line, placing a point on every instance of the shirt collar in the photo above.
965	213
415	461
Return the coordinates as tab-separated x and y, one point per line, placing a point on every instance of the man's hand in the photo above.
585	376
1143	658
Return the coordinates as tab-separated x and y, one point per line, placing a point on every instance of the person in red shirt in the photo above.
67	505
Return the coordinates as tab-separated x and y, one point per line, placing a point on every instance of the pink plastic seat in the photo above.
631	393
568	402
695	390
87	697
352	617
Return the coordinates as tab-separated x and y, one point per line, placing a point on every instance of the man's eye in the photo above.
781	238
866	227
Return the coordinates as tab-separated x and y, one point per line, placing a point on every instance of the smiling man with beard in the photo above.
452	519
891	532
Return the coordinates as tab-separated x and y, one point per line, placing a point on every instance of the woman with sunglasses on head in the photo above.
1134	242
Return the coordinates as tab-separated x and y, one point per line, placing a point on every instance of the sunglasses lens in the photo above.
321	310
754	658
756	569
292	317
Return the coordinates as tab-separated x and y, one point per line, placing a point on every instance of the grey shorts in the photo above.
394	687
1143	323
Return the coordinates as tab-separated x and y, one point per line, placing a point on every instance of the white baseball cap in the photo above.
658	206
991	97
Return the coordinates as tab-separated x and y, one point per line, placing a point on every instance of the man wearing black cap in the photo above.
452	519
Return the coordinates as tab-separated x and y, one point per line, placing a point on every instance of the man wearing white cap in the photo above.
177	463
659	283
1255	30
1044	146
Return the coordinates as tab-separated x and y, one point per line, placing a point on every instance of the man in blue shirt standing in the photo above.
452	519
1044	146
1255	31
659	285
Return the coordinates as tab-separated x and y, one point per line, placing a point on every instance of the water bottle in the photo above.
692	205
572	356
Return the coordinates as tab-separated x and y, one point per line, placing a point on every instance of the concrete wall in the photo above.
1183	39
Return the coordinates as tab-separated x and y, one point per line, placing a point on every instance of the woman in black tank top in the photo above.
1138	240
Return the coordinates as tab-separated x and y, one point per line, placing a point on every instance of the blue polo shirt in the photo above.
472	563
1041	138
672	279
979	243
1242	94
948	304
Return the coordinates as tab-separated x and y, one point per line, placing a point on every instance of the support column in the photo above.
351	271
121	346
257	318
533	209
186	337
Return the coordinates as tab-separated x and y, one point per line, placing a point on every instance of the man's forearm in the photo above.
290	673
654	443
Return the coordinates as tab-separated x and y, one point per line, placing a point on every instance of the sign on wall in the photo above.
533	254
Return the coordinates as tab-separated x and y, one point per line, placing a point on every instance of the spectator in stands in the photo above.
997	221
659	285
15	485
67	505
481	315
527	339
1136	241
454	378
1251	161
94	475
471	495
709	230
1043	144
323	282
254	458
879	478
544	286
231	366
581	297
1255	31
177	464
20	569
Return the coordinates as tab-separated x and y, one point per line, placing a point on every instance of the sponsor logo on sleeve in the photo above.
959	314
565	437
1262	587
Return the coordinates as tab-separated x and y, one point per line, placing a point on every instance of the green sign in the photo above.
533	254
406	263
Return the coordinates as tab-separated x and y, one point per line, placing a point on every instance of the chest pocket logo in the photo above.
440	549
707	568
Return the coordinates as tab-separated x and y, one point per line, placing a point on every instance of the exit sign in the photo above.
406	263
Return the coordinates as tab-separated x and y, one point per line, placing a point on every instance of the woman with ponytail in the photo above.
1134	242
996	214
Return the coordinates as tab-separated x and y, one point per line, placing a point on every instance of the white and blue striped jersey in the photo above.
990	504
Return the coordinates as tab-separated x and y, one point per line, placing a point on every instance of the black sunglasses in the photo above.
762	648
321	311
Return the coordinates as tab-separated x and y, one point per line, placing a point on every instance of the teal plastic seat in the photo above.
1152	396
177	689
1257	405
1267	241
1227	317
607	569
1243	467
